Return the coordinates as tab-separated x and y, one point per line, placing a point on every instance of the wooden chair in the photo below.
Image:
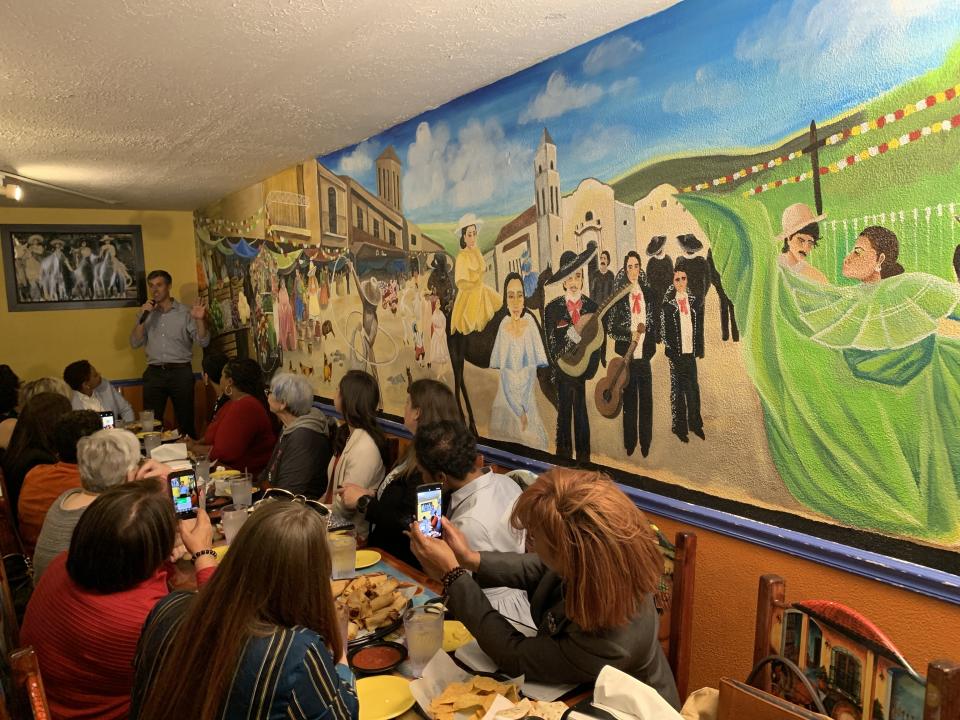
675	603
9	537
9	624
29	699
739	700
803	631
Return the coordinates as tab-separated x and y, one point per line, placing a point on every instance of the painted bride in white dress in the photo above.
517	353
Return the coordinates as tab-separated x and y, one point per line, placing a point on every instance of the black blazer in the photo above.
560	652
557	321
670	320
618	322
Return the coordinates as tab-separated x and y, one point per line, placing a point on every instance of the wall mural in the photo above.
717	248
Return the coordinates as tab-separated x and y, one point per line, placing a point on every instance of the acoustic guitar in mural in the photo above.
608	394
576	360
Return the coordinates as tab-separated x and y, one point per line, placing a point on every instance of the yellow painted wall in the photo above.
44	342
725	604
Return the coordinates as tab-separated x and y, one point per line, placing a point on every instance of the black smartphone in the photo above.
186	496
106	419
429	510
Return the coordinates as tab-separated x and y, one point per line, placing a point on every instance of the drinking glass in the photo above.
151	441
146	420
241	489
233	518
423	627
203	470
343	554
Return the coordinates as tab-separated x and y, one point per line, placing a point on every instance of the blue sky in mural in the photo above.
702	75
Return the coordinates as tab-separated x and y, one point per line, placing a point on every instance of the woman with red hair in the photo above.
590	583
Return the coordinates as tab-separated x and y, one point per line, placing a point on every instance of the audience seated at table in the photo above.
25	393
360	447
589	583
85	616
478	501
393	503
32	441
261	640
92	391
213	364
9	404
105	459
242	435
45	483
302	454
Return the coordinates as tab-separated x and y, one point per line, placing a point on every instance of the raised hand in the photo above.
199	309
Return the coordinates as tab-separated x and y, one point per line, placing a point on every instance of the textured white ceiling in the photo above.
172	104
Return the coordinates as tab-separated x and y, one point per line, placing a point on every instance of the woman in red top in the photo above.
85	617
243	434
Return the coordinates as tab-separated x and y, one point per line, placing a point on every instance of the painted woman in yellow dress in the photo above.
475	303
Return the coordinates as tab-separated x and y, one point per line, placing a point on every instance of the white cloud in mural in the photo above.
706	91
813	37
623	86
424	179
479	166
612	53
601	143
359	161
559	97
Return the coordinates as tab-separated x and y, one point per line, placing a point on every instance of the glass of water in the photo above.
343	554
151	441
146	420
233	518
203	470
423	628
241	489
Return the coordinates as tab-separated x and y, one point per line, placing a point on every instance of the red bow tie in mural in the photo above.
637	297
683	305
574	309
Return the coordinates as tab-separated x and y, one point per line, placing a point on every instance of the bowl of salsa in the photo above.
377	658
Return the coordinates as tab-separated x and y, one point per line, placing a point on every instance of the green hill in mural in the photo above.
445	233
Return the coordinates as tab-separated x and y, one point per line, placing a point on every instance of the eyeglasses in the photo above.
287	496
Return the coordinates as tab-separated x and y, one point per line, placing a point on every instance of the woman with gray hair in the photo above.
300	458
105	458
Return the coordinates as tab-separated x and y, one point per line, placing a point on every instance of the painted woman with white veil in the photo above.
517	352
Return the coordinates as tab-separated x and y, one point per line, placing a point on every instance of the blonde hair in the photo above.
42	385
602	544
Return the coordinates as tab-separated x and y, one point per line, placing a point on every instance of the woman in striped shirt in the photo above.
260	641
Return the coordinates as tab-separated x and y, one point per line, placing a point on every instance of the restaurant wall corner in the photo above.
725	602
43	342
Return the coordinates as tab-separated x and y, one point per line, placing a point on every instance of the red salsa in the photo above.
376	657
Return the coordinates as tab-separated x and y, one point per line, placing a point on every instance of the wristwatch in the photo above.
363	503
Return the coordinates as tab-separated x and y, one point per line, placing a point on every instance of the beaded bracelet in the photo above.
451	577
199	553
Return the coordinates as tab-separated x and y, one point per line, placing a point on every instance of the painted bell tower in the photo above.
547	189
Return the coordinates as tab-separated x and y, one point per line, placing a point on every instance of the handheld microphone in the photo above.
143	315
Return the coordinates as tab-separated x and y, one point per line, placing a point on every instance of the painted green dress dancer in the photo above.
860	394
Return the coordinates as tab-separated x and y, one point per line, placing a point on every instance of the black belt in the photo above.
171	366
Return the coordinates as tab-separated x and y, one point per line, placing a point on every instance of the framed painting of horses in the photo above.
72	267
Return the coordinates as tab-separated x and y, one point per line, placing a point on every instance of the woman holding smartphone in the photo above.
391	505
261	640
590	584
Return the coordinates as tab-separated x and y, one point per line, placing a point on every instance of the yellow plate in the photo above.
366	558
222	474
455	634
383	697
221	550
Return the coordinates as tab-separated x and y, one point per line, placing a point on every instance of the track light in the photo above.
11	191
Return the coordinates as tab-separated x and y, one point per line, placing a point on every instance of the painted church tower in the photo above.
388	178
547	188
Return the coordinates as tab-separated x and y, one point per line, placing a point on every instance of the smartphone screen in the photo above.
106	419
429	509
183	488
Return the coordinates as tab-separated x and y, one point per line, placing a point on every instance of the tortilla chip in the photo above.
467	700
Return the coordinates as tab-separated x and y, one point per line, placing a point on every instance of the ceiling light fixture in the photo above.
11	191
39	183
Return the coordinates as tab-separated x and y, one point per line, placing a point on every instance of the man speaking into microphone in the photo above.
169	329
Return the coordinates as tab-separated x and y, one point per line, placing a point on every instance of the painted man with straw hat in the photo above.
800	234
475	303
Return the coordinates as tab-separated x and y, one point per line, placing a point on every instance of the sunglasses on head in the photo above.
286	495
